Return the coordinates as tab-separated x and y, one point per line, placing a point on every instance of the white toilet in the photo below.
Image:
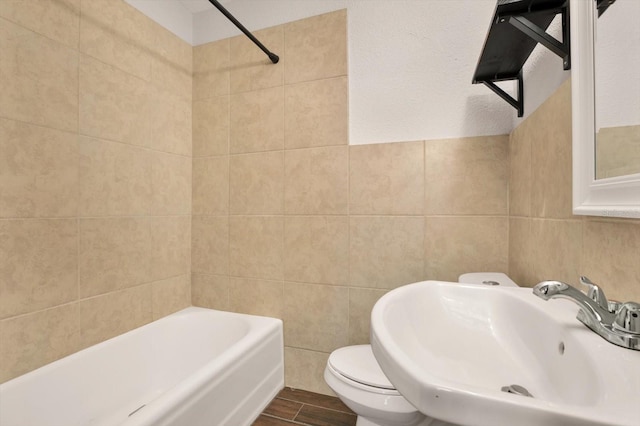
355	376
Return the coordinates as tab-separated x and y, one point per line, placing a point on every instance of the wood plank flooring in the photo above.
298	407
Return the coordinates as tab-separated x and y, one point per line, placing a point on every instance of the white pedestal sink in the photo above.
449	348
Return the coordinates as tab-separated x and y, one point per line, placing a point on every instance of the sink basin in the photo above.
450	348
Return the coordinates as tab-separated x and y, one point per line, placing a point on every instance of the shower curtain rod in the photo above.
274	58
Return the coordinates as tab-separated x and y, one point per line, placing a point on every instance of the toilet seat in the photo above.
357	364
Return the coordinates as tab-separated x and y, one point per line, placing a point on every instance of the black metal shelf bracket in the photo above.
517	27
562	49
603	5
518	103
272	56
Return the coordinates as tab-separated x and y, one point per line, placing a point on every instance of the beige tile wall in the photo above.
290	221
96	228
546	241
95	176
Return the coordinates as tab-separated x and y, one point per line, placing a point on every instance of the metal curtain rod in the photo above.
274	58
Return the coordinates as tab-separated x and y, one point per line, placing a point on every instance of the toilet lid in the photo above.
358	364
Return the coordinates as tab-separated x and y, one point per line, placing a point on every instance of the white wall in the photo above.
411	63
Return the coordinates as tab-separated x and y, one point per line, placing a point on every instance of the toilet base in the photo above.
425	422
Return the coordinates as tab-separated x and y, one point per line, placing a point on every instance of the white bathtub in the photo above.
195	367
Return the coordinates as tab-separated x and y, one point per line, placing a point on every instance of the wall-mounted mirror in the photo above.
617	85
606	108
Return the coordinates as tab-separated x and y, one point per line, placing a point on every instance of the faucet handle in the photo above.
628	318
595	293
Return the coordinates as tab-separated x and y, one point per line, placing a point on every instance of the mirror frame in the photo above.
610	197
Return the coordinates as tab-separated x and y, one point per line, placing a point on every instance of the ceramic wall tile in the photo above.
555	252
38	79
122	19
520	252
316	47
455	245
303	370
386	251
37	339
211	126
256	297
361	301
38	171
102	41
171	129
210	186
172	77
256	121
610	257
170	247
114	105
210	244
109	315
467	176
316	317
387	179
520	184
317	181
56	19
251	69
114	253
256	247
210	291
170	295
171	184
115	179
38	264
211	69
256	183
551	164
316	249
171	48
316	113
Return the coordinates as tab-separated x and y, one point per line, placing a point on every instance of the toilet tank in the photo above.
487	278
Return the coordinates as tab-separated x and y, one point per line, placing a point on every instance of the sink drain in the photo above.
516	389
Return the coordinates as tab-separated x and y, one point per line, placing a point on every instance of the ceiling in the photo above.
192	6
197	6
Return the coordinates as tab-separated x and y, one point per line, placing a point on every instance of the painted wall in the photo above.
410	64
95	176
289	221
546	241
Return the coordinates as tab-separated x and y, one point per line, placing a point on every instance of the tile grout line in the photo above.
298	412
228	214
293	422
78	219
314	405
424	209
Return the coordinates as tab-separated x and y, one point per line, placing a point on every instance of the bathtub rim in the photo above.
260	329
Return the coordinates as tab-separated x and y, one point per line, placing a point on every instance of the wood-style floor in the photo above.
298	407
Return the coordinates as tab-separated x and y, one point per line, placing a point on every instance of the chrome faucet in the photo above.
618	323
